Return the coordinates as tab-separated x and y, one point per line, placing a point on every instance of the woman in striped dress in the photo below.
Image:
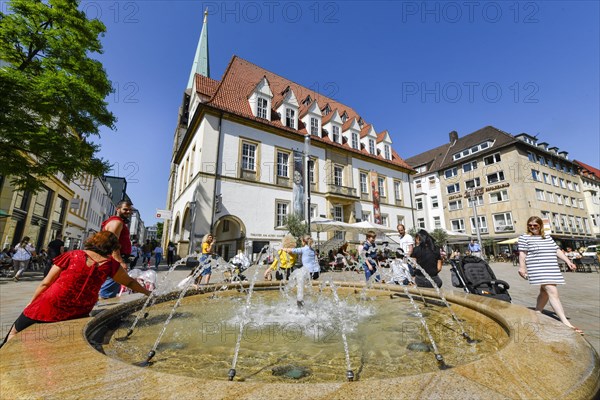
538	262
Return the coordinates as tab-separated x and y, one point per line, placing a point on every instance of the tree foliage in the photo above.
295	226
159	230
52	94
439	236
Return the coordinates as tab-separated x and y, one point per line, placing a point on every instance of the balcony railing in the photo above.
341	190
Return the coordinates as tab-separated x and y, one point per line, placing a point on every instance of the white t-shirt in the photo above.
405	243
23	253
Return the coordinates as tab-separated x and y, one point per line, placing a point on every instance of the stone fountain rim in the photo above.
514	371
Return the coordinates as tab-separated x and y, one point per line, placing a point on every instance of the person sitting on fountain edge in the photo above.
428	257
370	255
70	290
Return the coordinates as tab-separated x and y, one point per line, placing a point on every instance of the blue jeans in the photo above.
369	273
109	289
158	258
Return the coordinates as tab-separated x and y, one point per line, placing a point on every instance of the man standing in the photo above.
406	242
55	249
117	224
475	248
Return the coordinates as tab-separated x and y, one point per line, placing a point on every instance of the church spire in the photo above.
200	64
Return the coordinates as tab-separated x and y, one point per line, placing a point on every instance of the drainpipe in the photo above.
412	208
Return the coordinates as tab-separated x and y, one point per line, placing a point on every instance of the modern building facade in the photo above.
494	181
590	179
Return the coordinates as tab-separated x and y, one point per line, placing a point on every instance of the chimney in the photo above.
453	136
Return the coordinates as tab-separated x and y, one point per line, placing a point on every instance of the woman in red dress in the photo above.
70	290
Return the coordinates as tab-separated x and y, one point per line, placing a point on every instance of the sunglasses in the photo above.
533	226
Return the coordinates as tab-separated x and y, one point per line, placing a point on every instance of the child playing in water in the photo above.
284	262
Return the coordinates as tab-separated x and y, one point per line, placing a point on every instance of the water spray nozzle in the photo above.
231	374
350	375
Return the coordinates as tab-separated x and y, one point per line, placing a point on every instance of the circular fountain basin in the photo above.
530	356
279	341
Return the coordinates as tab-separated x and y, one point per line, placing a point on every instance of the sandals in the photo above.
524	276
576	329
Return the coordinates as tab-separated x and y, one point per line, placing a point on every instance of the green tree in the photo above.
439	236
295	226
52	94
159	230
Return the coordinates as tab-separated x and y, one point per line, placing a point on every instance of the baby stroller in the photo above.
238	264
477	277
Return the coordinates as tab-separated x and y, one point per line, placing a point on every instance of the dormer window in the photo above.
354	140
314	126
371	146
307	100
386	152
326	110
262	108
336	134
361	123
290	118
344	117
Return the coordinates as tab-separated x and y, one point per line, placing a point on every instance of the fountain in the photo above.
253	340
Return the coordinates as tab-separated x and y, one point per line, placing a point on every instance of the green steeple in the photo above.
200	64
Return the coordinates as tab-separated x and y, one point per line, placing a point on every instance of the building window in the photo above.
554	180
559	199
364	188
336	134
503	222
449	173
539	194
437	223
313	211
290	118
550	197
541	160
567	203
314	126
472	150
453	188
569	185
455	205
398	190
384	220
371	146
562	183
432	182
311	171
249	156
419	203
381	186
458	225
497	197
354	140
421	223
386	151
263	104
281	214
581	204
473	183
546	178
337	175
535	174
469	166
418	185
366	216
576	186
434	202
477	200
494	158
283	160
496	177
226	225
483	228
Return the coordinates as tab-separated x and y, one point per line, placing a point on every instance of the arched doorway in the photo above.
186	228
230	232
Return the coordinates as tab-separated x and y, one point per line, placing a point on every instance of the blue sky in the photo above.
419	70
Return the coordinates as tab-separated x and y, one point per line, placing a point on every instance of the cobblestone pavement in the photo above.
580	296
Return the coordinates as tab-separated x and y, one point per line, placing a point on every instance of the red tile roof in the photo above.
241	77
589	168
